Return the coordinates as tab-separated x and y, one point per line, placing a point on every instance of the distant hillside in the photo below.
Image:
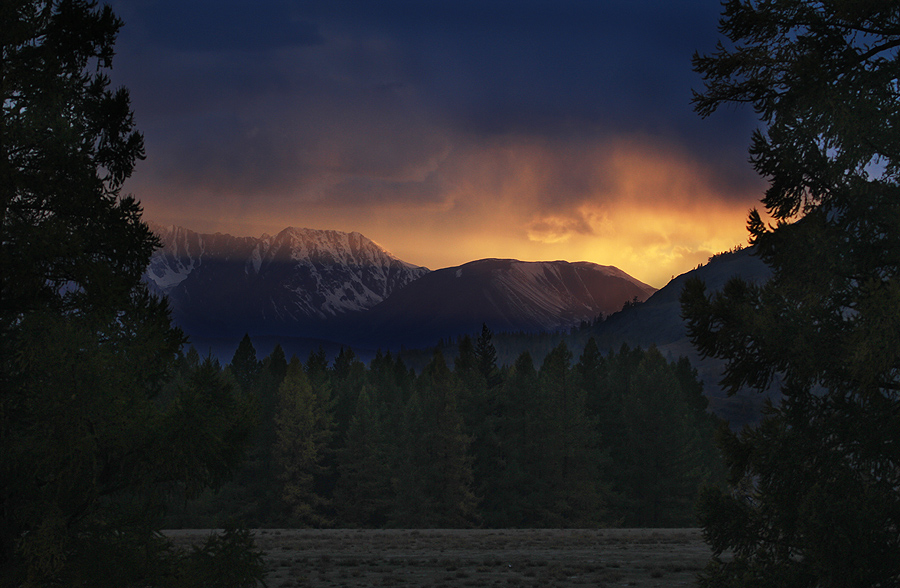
506	294
658	322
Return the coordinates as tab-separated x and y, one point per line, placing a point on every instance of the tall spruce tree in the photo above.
589	371
509	494
245	367
434	479
89	444
255	487
303	428
572	449
663	454
476	367
813	498
465	362
486	356
348	379
363	494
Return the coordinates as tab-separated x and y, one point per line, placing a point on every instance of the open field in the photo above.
479	558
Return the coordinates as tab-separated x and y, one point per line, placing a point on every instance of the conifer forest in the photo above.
616	440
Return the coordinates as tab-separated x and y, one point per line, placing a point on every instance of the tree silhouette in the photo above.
486	356
814	495
245	367
91	445
661	459
572	448
303	428
434	481
363	494
510	493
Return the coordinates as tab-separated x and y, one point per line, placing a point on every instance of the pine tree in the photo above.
590	373
486	356
660	465
479	406
90	444
363	495
317	368
434	481
813	497
348	377
272	375
572	457
508	495
245	367
276	364
303	428
466	361
258	484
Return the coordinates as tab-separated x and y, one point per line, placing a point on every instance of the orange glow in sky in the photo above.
444	131
645	208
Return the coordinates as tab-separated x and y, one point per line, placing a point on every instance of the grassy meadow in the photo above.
357	558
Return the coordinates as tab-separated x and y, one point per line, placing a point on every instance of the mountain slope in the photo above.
658	322
505	294
291	283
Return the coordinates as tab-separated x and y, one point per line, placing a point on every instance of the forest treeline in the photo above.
622	439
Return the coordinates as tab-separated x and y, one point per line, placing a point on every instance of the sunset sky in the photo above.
444	131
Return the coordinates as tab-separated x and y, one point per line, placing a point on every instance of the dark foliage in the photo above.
620	439
813	498
95	435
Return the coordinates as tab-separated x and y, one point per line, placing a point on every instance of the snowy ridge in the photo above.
506	294
338	272
558	293
174	262
294	276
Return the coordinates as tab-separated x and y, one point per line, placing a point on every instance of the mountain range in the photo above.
289	284
506	294
330	286
308	289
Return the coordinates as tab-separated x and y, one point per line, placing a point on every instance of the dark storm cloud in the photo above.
217	26
318	97
522	65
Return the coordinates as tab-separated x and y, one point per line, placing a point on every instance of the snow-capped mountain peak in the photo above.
295	276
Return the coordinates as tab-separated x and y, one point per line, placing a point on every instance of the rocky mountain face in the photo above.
505	294
305	287
292	283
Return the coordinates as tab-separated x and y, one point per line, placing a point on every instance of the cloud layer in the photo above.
446	131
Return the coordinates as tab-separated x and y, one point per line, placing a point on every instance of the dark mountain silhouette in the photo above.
505	294
658	322
306	288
